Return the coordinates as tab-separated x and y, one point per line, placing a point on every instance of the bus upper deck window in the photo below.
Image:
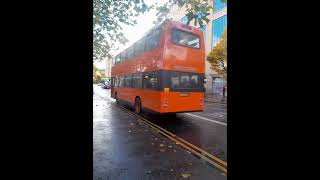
185	39
117	60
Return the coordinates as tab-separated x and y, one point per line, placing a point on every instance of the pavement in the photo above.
125	149
215	98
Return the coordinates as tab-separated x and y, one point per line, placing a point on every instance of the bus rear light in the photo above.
165	103
201	102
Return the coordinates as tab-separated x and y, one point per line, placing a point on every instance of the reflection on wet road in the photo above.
208	135
123	148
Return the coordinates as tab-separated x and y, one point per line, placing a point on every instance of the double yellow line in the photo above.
211	159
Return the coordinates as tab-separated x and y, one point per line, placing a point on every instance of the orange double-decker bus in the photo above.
163	72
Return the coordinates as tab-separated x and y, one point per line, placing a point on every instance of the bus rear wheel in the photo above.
116	97
137	106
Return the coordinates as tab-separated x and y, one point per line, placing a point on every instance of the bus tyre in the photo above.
137	106
116	97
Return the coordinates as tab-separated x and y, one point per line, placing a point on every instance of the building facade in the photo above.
212	33
108	68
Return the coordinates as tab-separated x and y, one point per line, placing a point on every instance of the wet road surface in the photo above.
211	138
125	149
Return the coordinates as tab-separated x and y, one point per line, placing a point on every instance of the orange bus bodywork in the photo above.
167	56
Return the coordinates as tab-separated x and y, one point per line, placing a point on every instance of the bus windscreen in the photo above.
185	39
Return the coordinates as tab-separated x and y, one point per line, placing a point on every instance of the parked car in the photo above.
106	85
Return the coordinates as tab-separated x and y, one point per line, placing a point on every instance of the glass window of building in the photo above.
218	26
218	5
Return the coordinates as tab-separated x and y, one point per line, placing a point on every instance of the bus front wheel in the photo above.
137	106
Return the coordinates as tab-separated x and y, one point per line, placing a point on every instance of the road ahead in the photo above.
121	144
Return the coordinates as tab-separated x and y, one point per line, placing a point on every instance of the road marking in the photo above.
217	115
221	109
207	119
215	161
211	159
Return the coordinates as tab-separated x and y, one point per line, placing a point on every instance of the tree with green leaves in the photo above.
94	68
94	73
109	16
196	10
218	56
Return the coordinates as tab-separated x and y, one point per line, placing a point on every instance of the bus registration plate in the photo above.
184	94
